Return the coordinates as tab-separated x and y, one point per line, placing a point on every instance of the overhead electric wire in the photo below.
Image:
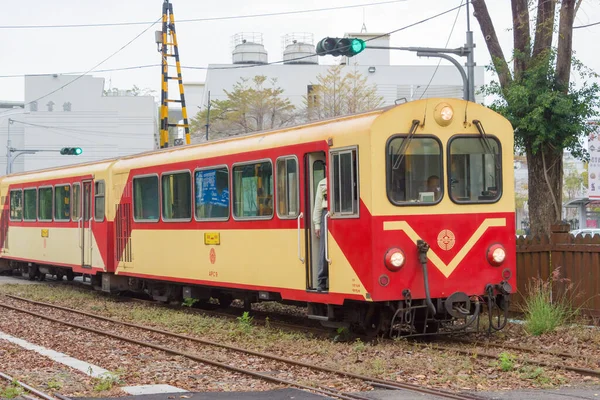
440	60
97	65
272	14
587	26
129	134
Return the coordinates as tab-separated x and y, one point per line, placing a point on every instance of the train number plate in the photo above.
45	232
212	238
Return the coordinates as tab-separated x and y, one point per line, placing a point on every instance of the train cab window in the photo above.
475	169
177	196
16	205
253	190
414	171
62	203
30	201
99	205
344	178
45	204
212	193
287	187
145	198
76	203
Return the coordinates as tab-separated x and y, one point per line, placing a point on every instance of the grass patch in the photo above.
55	385
107	381
506	361
546	309
11	391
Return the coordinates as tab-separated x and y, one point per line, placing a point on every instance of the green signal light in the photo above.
77	151
357	46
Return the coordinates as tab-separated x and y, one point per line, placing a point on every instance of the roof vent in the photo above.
298	48
248	48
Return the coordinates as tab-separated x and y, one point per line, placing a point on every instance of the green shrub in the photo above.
544	309
507	361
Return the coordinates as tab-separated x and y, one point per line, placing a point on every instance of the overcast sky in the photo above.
62	50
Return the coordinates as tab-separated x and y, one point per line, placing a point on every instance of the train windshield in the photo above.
414	171
475	174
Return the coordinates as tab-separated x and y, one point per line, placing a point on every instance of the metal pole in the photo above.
456	63
208	116
12	160
8	147
470	57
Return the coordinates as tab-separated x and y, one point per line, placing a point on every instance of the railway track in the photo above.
37	394
371	381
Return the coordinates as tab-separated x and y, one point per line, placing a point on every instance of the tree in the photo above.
250	106
335	95
573	183
548	112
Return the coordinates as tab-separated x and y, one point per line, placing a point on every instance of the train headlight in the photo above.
394	259
496	255
443	114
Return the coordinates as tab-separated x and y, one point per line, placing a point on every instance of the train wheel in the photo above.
225	300
41	276
59	276
70	275
32	272
373	321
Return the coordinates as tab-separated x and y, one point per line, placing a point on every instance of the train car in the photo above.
418	227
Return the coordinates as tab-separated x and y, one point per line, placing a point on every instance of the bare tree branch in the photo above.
577	6
544	28
565	44
521	36
491	40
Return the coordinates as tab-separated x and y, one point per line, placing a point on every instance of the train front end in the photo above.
443	215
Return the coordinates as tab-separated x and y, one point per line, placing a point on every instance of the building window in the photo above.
212	193
177	196
475	170
30	200
145	198
414	171
99	205
16	205
62	203
287	187
253	190
45	204
76	203
344	182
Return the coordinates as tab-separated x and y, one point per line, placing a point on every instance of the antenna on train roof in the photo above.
166	41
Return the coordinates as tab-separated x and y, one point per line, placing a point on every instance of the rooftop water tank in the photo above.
298	48
248	48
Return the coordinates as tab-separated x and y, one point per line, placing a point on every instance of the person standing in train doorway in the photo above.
319	212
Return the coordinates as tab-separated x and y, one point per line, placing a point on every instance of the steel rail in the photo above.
194	357
395	385
27	387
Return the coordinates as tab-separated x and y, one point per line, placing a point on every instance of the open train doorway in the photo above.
315	172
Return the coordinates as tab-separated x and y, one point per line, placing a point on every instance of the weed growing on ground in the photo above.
10	392
544	308
506	361
537	374
189	302
245	322
107	381
55	385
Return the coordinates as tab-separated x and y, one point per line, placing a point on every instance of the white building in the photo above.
295	76
71	111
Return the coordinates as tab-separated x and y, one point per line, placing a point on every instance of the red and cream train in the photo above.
232	218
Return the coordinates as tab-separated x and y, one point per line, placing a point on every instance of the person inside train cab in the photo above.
433	185
320	209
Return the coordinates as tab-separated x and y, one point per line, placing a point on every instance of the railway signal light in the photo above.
71	151
348	47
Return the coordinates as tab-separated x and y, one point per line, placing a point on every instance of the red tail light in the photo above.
394	259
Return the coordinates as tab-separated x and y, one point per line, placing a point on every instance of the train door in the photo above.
314	172
86	225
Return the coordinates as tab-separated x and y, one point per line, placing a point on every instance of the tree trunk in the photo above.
545	172
565	44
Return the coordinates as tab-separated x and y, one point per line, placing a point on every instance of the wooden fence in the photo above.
576	261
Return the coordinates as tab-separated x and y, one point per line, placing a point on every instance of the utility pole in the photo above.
208	116
8	147
470	57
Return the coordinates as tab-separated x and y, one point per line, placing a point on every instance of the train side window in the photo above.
288	197
99	205
62	203
253	190
76	203
30	202
475	170
212	193
45	204
414	171
145	198
177	196
344	182
16	205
